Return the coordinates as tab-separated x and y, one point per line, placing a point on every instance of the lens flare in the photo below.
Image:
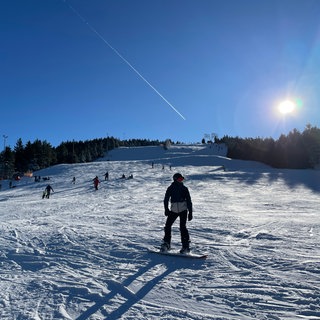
299	103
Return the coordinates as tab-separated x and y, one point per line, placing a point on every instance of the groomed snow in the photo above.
83	254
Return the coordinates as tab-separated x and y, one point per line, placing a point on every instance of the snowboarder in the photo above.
96	182
181	206
47	191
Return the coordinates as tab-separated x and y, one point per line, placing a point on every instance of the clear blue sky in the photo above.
224	65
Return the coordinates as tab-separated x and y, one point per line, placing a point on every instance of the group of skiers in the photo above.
96	180
163	166
177	194
180	207
124	176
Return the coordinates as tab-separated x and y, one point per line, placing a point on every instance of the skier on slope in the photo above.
96	182
47	191
181	206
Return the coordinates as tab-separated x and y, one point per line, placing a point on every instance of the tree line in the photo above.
39	154
293	151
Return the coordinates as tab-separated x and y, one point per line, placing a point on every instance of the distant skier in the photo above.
74	180
106	176
181	204
47	191
96	182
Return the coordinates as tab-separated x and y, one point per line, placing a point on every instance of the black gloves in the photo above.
190	217
167	212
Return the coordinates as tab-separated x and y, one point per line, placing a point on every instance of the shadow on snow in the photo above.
134	297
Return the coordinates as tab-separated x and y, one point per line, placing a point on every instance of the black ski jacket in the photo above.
179	197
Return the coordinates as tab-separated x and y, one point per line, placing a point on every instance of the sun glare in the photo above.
286	106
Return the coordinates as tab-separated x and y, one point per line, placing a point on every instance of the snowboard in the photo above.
178	254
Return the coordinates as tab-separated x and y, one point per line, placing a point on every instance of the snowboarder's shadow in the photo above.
165	264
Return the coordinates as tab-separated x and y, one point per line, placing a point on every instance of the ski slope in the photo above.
83	254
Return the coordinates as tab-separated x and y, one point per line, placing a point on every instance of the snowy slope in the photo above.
82	254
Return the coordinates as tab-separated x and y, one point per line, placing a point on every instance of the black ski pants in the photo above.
172	217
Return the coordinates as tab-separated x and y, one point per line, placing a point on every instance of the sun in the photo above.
286	107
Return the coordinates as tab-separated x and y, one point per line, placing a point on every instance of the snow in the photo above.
83	254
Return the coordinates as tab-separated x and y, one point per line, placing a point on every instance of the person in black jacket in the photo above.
47	191
181	206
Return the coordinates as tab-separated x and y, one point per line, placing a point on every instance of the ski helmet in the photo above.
178	177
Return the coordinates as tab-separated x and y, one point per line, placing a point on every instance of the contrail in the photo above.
123	59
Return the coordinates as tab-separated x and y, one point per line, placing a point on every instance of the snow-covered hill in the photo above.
83	254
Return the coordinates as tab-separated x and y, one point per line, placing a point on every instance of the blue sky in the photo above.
224	65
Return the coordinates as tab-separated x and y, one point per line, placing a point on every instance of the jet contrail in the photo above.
123	59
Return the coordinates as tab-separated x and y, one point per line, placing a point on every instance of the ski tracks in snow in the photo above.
82	254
